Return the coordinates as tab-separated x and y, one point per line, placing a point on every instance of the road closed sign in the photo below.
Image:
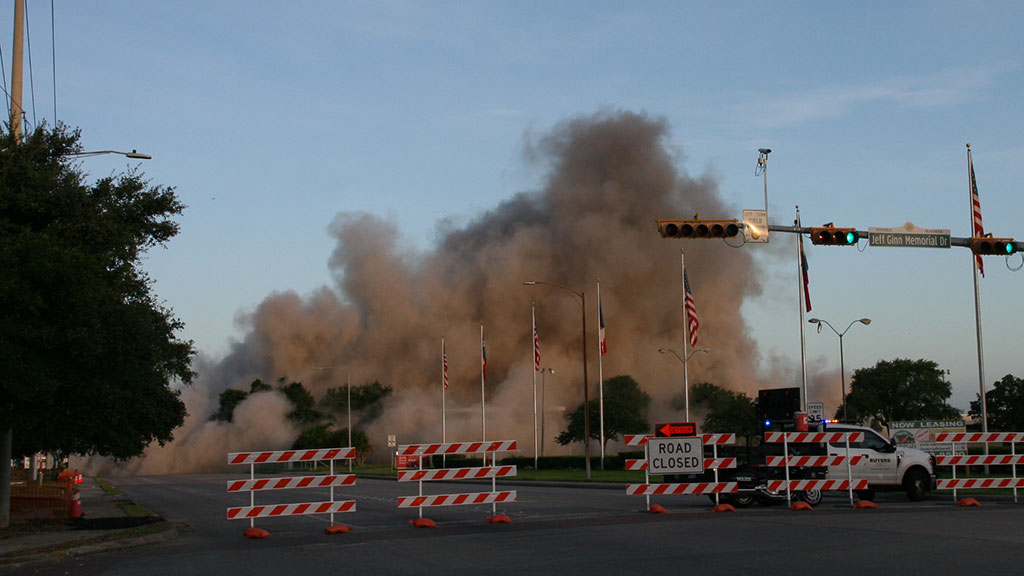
675	455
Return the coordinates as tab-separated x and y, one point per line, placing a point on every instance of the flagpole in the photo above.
686	336
977	230
802	303
536	363
600	373
444	389
483	380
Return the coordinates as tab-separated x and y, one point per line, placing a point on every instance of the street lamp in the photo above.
133	154
686	385
842	367
543	373
586	395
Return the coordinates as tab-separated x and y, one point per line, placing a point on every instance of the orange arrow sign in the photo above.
670	429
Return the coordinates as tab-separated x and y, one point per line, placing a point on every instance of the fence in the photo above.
492	472
252	485
986	438
787	461
714	463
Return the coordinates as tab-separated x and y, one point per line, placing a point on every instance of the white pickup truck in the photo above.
885	465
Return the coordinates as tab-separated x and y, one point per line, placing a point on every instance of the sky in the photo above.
270	118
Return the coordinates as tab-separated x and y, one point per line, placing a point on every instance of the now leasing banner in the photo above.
920	434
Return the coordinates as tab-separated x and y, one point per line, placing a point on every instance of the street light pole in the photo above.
842	364
543	373
586	394
686	384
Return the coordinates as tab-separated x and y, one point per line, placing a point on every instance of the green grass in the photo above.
107	488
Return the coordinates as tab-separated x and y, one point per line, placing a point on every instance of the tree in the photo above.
625	411
726	411
367	399
82	337
304	405
326	436
88	354
899	390
228	401
1004	405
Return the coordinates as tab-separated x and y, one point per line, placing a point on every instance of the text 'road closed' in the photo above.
675	455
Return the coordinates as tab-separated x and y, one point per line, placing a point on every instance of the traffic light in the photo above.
698	228
997	246
832	236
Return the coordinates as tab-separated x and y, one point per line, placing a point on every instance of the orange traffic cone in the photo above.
76	504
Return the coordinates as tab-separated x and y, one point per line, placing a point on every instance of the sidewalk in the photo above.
105	525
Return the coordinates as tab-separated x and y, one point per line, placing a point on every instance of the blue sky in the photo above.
269	118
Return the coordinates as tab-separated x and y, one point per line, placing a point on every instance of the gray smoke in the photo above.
608	177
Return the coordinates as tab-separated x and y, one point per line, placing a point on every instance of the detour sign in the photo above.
675	455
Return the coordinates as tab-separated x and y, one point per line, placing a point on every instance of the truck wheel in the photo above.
812	497
740	500
916	484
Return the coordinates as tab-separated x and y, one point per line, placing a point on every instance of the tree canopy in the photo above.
726	411
88	354
625	412
1004	405
899	389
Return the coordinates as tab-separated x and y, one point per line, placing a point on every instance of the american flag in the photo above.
444	364
536	344
977	230
601	334
803	273
691	310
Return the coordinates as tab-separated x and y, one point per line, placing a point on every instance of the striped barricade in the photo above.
713	463
787	462
253	485
493	472
683	488
1013	460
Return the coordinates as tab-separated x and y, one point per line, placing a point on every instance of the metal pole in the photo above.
977	302
586	394
348	407
842	372
483	379
600	375
801	300
533	352
686	336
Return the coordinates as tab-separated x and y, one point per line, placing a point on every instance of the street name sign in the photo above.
755	226
675	455
909	236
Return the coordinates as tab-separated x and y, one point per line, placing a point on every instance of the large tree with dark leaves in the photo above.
899	389
88	354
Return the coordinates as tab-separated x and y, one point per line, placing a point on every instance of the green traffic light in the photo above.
1011	247
851	237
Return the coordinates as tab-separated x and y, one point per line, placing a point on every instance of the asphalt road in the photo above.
565	530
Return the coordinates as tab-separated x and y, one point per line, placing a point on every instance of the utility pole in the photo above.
16	112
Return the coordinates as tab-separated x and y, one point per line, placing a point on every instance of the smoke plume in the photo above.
608	176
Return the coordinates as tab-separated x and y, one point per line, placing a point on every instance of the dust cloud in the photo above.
607	177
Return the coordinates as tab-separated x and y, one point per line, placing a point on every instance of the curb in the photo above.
51	553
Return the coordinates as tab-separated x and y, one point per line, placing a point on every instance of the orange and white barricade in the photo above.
253	485
787	438
492	472
714	463
1012	459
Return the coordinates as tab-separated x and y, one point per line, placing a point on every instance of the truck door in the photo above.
877	463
